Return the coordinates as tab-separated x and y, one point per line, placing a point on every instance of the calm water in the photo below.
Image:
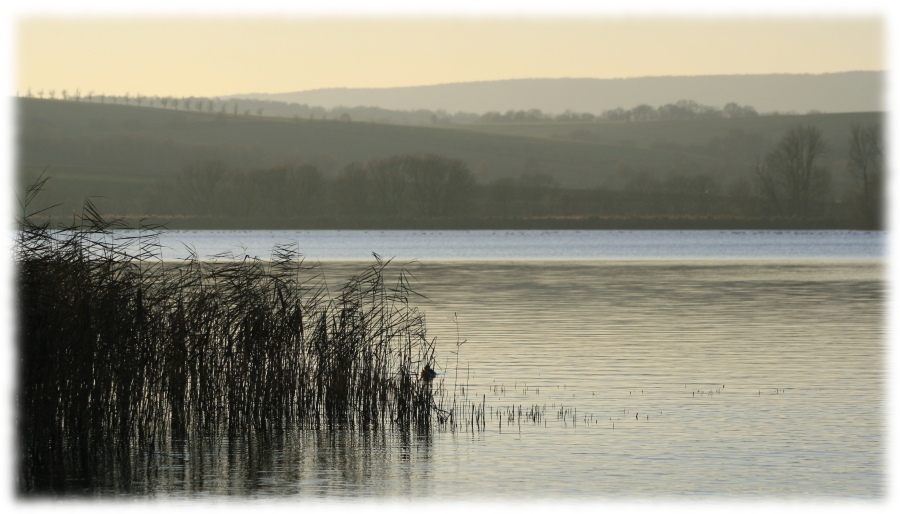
662	365
557	244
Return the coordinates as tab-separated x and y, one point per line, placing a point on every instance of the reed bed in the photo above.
121	353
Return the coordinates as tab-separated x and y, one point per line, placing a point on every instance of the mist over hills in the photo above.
852	91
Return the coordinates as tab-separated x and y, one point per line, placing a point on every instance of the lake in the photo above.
612	366
535	244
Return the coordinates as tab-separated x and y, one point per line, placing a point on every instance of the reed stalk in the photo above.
122	354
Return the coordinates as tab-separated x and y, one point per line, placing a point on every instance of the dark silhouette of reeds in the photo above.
122	354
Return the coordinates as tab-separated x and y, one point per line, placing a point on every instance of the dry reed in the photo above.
120	353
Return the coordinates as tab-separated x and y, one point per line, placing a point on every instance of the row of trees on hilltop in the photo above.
680	110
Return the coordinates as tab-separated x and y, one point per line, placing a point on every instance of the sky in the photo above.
220	52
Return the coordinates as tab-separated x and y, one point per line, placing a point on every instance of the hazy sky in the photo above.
219	55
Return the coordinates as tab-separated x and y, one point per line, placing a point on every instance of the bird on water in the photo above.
427	373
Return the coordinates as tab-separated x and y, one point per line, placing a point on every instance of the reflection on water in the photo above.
642	379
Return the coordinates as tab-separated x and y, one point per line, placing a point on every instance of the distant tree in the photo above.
127	98
732	110
197	187
28	95
138	99
41	94
389	177
90	96
439	186
352	190
259	111
77	95
865	163
164	101
643	112
187	104
175	103
643	190
789	177
64	93
285	190
536	190
503	197
52	94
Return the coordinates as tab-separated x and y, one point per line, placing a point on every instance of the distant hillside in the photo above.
128	153
854	91
131	141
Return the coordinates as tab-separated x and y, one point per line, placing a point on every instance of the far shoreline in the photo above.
463	223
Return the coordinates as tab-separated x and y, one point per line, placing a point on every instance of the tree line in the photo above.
787	182
427	186
680	110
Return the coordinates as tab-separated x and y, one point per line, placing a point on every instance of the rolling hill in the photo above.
123	151
852	91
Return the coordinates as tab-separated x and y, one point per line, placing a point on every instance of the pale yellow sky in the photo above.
197	56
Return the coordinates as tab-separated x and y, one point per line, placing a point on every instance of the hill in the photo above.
125	152
852	91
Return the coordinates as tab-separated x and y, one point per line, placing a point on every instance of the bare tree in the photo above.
352	190
439	186
766	185
41	94
164	101
65	94
864	163
77	94
127	98
198	186
52	93
390	178
790	178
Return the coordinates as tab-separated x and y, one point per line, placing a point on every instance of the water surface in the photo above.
531	244
729	379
